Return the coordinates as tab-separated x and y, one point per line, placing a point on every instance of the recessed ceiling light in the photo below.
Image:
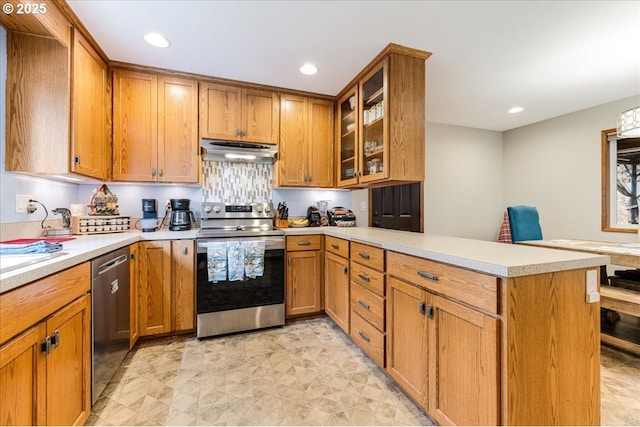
308	69
157	40
514	110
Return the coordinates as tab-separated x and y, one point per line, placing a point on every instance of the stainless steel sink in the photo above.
14	262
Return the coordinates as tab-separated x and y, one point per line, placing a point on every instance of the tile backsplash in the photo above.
236	182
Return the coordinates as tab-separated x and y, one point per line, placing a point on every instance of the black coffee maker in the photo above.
181	216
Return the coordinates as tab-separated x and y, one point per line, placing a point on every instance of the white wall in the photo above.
463	182
555	165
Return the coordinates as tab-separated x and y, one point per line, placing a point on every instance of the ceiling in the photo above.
550	57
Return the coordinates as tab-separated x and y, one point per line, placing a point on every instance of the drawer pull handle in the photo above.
429	311
364	277
364	337
363	304
304	243
364	255
422	307
334	246
427	275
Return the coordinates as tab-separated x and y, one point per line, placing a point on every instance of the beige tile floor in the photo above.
307	373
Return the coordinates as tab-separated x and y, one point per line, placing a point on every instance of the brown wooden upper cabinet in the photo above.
233	113
306	142
89	137
155	128
57	107
380	126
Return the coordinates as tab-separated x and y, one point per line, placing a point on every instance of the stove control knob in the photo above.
259	208
207	209
267	208
216	209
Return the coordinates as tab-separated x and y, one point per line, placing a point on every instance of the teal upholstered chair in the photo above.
525	223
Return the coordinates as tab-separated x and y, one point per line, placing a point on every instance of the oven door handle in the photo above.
269	243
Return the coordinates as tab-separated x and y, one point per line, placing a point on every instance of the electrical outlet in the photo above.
22	201
363	206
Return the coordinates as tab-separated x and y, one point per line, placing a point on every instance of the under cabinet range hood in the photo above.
238	152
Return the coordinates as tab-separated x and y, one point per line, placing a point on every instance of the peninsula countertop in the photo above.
493	258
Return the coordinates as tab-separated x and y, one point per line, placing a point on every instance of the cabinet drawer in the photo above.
477	289
23	307
368	338
304	243
337	246
368	255
368	305
367	278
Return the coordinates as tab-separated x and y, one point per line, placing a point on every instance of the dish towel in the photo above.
254	258
217	261
505	230
235	260
40	247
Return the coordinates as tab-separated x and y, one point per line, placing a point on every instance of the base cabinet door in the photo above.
23	383
336	288
155	287
407	338
463	365
166	286
183	301
45	373
134	288
303	291
69	364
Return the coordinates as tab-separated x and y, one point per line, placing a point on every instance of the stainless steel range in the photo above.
240	269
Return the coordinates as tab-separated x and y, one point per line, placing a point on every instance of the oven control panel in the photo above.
237	210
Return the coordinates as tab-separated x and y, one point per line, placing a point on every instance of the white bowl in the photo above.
352	102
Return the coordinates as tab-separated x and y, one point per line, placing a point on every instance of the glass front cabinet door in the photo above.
373	142
347	139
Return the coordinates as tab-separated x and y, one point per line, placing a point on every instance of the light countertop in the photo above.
76	251
493	258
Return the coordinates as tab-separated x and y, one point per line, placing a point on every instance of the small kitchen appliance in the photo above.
181	216
341	217
149	221
313	215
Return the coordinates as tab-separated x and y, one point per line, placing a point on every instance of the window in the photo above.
620	182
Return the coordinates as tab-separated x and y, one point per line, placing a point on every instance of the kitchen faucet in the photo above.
66	216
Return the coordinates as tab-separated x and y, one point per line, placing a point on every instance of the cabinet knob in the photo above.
77	160
185	250
244	132
429	311
238	132
153	172
160	172
346	270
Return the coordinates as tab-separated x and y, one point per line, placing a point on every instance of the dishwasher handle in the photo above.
112	264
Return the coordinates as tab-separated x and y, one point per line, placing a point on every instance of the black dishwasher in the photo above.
110	317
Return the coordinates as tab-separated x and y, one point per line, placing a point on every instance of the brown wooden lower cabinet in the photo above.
303	289
407	338
463	365
45	373
336	289
166	284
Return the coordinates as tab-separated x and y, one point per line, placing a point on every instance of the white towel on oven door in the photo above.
235	260
254	258
217	261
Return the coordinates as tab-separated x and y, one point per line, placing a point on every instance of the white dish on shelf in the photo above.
351	126
352	102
